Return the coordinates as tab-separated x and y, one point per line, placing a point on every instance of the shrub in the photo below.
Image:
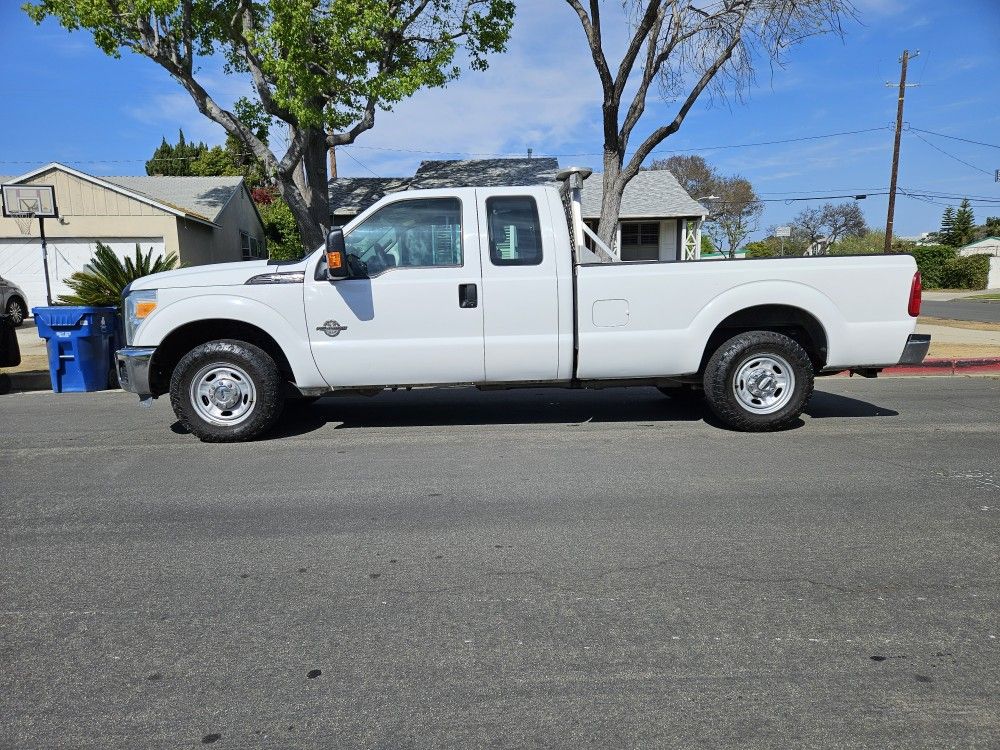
104	278
280	229
967	272
931	260
760	249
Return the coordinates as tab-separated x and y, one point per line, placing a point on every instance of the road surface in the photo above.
982	312
526	569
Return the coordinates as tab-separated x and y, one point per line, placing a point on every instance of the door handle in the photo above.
468	295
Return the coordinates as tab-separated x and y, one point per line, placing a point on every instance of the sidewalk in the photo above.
945	295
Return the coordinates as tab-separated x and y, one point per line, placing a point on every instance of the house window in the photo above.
250	246
640	240
515	236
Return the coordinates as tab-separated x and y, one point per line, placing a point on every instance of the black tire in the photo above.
17	311
242	371
764	354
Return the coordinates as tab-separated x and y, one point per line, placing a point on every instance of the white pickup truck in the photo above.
495	287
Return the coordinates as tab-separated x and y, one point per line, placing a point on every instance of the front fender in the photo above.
177	308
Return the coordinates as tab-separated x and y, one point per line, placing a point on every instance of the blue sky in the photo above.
66	101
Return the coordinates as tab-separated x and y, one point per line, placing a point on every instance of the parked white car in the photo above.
494	287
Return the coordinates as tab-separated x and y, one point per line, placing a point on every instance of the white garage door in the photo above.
21	260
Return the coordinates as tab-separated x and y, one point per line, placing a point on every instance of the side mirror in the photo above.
336	255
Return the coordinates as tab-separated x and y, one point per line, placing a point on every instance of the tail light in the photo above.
916	293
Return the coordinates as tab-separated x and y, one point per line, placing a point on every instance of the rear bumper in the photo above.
916	349
133	363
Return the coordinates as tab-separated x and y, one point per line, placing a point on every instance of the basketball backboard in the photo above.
38	201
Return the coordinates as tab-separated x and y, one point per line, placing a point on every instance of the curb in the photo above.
14	382
944	366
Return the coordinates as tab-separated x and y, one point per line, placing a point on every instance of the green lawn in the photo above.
992	295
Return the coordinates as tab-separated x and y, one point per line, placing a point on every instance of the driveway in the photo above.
523	569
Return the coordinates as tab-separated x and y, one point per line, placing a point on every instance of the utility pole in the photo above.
895	149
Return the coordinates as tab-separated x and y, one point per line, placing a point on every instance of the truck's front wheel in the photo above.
759	381
227	391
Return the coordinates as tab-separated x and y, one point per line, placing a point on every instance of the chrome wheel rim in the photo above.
223	394
16	313
764	383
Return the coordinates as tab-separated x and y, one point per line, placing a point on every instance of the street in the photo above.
510	569
958	309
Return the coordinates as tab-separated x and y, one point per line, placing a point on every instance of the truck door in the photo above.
520	285
417	317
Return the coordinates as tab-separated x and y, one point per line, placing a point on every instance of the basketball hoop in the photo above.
23	203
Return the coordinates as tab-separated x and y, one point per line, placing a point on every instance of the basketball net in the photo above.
23	220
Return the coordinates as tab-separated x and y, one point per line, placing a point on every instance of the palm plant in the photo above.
103	279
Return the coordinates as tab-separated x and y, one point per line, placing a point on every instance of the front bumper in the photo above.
916	348
133	369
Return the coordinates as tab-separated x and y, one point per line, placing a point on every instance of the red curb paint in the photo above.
943	366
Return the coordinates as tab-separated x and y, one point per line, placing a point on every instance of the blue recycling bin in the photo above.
80	342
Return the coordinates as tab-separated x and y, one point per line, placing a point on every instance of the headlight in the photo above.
138	306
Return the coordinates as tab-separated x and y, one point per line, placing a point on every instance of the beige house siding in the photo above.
238	215
92	211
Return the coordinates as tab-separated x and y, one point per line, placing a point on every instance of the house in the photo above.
659	220
985	246
202	219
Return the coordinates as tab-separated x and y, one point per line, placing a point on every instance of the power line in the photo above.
357	161
655	151
954	137
952	156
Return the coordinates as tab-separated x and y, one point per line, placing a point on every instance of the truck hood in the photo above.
217	274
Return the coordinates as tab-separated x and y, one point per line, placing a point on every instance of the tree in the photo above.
323	67
169	159
693	173
808	225
735	214
843	220
964	225
688	47
946	234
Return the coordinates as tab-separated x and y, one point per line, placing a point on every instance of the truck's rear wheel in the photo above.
227	391
759	381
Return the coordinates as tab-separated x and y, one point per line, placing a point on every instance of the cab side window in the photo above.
515	232
419	233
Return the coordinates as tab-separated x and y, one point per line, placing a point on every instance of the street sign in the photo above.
783	232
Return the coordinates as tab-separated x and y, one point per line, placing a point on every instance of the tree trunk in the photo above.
318	195
607	228
306	192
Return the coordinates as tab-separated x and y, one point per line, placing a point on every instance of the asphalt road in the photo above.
983	312
543	568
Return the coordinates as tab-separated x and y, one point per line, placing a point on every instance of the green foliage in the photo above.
931	260
197	159
175	160
761	249
946	234
708	247
281	231
966	272
106	276
965	224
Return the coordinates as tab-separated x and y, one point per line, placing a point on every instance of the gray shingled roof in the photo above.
205	196
653	193
484	173
352	195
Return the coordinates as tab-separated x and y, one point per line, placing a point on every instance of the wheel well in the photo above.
185	338
19	298
794	322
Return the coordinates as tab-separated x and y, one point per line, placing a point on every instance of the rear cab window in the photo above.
514	231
